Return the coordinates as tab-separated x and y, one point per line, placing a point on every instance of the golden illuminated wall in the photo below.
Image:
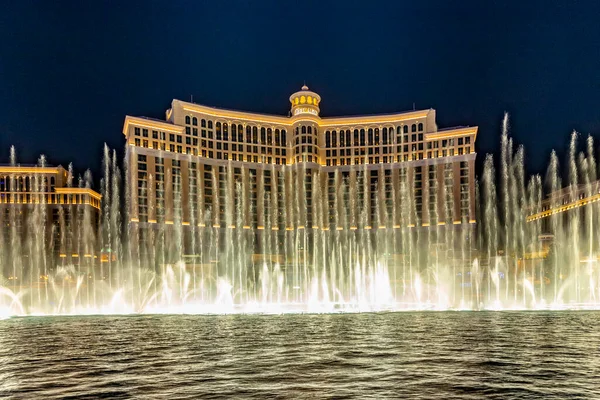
197	137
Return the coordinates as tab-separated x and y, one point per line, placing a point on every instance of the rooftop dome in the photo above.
305	101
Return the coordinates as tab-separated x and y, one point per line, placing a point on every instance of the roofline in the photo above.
74	190
150	123
284	120
288	121
16	169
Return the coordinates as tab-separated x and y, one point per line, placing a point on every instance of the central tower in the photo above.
305	114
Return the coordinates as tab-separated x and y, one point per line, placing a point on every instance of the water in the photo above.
458	355
243	254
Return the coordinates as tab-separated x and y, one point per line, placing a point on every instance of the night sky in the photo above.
71	71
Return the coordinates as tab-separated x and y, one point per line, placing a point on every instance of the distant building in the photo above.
43	219
567	199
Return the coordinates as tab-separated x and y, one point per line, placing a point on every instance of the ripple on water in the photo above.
383	355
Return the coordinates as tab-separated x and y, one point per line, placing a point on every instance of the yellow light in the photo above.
28	170
309	99
302	99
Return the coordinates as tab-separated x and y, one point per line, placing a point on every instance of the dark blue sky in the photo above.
71	71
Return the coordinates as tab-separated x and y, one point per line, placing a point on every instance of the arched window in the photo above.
405	128
420	126
370	132
195	121
303	129
218	131
263	135
398	130
334	139
413	128
187	119
240	133
225	131
283	138
254	134
234	131
248	134
203	123
327	139
384	135
210	124
310	129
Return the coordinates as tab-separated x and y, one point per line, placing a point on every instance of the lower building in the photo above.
46	222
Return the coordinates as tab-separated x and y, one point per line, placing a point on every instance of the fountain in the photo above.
525	252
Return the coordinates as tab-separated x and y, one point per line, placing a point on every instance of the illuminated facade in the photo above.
191	162
62	218
567	199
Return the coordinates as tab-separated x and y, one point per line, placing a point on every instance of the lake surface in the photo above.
469	355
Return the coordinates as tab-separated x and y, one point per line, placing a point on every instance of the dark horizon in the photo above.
72	71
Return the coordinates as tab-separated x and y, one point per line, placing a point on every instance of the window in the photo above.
420	126
187	119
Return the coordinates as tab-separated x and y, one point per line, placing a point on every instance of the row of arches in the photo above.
26	184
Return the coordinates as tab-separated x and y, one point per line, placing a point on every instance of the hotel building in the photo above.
40	210
192	161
